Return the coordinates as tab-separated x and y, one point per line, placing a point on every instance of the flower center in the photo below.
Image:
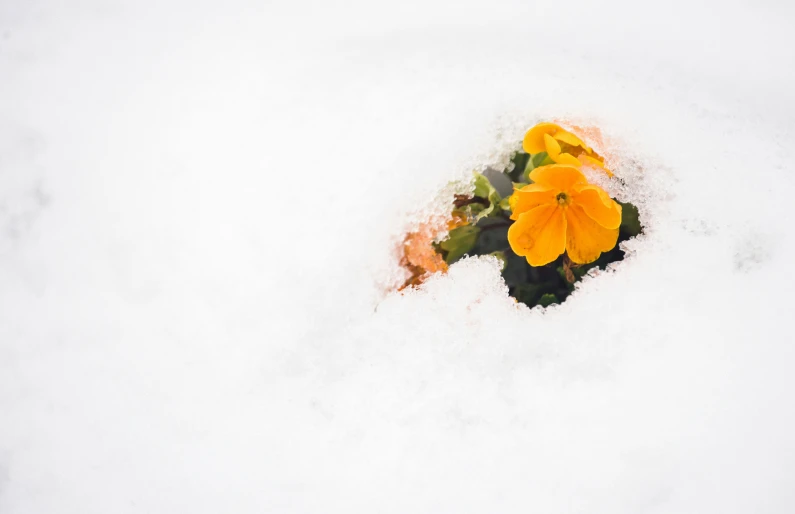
563	199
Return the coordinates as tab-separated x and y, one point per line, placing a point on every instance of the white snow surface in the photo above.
199	208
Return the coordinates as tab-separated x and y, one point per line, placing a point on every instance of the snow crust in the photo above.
199	206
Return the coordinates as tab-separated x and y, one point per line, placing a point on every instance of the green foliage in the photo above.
630	223
459	242
537	160
484	189
519	163
547	299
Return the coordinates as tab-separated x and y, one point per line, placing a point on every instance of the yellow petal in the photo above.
552	147
569	138
594	162
534	139
585	238
567	158
530	197
559	176
598	205
512	201
539	234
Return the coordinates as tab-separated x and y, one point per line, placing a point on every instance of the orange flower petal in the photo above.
552	147
534	138
598	205
530	197
559	176
569	138
539	234
594	162
585	238
419	251
567	158
457	219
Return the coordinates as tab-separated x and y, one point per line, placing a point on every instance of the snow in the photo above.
199	206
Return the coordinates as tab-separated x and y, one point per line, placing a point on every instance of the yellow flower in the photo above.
562	146
561	212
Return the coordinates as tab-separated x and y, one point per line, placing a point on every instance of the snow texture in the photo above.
199	207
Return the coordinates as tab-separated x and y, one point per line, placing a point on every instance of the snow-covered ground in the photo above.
199	204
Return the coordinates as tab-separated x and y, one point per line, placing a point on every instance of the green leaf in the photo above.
519	162
527	293
493	236
484	189
547	299
473	210
459	242
542	159
538	159
630	222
